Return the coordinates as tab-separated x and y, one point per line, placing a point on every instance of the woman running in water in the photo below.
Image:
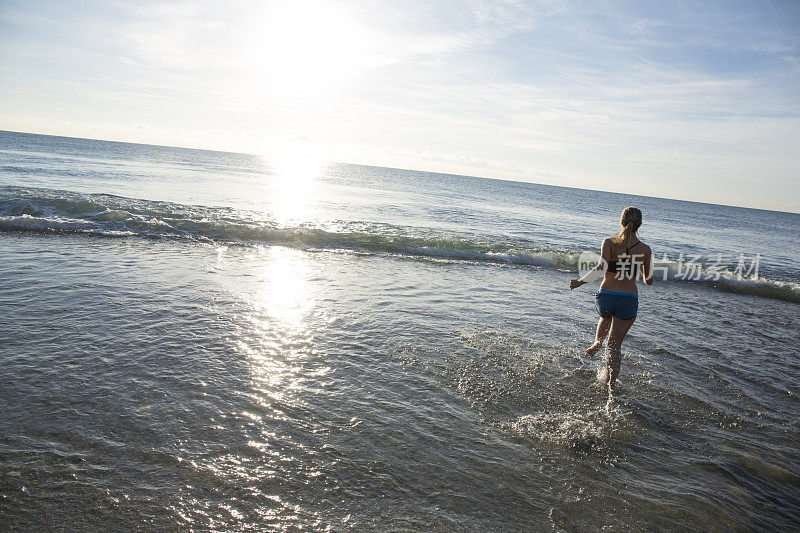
623	257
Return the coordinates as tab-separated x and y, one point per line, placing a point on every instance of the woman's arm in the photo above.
597	271
647	267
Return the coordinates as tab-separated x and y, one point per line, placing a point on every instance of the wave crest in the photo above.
26	209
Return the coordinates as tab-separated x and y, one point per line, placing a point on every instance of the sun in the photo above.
307	45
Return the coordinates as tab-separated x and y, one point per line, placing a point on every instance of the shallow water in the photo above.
189	380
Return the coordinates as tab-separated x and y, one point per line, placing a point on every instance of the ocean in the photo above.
199	340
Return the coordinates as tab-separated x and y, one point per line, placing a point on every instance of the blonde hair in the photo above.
631	220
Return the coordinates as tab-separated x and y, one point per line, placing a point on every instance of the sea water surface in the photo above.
200	340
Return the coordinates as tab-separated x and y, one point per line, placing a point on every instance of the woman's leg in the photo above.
603	325
619	328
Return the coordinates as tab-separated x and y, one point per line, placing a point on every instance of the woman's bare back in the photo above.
625	265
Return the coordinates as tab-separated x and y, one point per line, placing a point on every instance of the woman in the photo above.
622	258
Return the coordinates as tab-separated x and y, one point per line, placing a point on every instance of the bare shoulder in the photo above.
645	248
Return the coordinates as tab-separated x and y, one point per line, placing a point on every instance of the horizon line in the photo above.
410	170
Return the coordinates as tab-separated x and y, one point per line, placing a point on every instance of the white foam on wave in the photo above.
758	286
56	225
51	211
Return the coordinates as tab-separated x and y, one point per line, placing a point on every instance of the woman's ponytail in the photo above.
631	220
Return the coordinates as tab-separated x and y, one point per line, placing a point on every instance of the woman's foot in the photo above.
593	349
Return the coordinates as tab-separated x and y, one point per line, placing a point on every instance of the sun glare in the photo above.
285	295
291	184
307	45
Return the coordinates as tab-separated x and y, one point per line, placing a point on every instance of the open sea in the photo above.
198	340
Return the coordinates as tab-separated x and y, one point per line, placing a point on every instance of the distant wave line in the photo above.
48	211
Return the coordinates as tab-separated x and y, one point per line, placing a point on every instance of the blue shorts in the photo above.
624	305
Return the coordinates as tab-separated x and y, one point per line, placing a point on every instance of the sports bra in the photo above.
614	267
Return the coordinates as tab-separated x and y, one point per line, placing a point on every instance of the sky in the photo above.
678	99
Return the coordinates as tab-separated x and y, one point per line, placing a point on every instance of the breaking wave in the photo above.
47	211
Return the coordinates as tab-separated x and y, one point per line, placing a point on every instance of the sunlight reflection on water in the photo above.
284	293
292	185
280	340
276	342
